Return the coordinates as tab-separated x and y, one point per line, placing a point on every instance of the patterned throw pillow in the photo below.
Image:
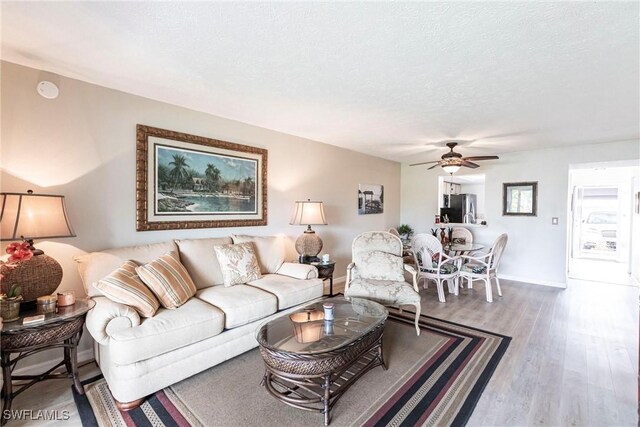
238	263
378	265
125	287
168	280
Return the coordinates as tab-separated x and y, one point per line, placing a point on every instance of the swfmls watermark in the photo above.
35	415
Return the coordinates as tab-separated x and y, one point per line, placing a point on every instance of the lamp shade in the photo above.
31	216
308	213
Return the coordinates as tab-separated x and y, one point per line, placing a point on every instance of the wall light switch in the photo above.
554	220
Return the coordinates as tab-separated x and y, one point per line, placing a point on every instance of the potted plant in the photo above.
405	231
10	304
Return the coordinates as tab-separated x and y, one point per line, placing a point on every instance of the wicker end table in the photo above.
62	329
310	365
325	271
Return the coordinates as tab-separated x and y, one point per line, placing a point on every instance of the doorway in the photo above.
601	211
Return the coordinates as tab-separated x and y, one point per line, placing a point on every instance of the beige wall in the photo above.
82	145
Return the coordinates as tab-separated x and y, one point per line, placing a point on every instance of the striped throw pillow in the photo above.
168	280
125	287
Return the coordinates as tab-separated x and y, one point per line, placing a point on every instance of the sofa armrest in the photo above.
108	317
298	271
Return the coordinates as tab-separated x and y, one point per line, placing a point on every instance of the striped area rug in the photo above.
441	387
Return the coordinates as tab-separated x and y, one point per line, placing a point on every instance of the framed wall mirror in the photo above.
519	198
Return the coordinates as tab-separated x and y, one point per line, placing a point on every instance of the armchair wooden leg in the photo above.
417	319
498	286
127	406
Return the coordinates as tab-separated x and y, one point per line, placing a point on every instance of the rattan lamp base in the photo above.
39	276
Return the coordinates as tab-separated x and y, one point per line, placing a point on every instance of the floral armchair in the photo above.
377	272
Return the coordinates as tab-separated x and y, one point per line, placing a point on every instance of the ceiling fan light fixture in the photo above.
451	168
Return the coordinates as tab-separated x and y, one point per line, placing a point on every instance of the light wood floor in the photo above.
573	359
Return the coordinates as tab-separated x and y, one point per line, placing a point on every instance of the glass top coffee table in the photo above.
305	355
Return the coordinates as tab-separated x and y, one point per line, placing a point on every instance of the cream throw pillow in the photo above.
125	287
238	263
378	265
269	251
168	280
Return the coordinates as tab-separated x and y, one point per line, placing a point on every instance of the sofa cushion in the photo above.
288	290
125	287
269	251
95	266
168	330
238	263
385	292
200	260
168	280
241	304
143	254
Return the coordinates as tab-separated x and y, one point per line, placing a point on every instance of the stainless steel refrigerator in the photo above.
460	208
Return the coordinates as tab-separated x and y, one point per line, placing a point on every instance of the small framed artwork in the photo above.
519	198
370	199
187	181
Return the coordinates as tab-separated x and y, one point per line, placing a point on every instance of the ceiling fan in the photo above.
452	161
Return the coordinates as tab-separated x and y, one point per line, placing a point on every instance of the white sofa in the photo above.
140	356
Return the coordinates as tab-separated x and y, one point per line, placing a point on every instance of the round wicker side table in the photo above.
58	330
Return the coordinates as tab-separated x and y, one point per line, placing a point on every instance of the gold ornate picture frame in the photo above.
185	181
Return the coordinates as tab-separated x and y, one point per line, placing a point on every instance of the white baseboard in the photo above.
533	281
38	368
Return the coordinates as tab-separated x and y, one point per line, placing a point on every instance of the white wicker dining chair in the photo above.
485	267
434	264
462	235
376	272
394	231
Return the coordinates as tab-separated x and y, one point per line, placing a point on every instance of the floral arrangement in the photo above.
18	252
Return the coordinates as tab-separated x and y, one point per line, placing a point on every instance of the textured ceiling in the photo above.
389	79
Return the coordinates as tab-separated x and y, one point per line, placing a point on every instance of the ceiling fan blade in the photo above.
469	164
425	163
434	166
474	158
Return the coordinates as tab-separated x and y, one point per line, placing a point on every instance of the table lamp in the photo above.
308	213
28	216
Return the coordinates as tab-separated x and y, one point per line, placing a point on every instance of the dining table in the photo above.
455	249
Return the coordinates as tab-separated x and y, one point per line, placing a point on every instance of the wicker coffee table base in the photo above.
316	382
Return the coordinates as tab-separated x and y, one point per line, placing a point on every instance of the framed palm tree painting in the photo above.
188	181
